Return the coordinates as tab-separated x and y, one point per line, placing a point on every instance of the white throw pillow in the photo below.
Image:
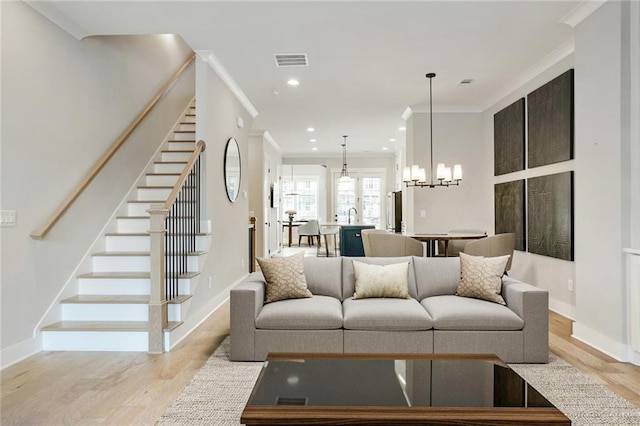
381	280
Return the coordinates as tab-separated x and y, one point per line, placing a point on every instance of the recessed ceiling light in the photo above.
384	148
315	148
392	140
312	140
402	128
310	129
293	82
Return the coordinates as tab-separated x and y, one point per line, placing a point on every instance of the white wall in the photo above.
545	272
457	139
64	102
600	149
216	117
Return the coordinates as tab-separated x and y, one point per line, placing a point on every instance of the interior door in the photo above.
360	200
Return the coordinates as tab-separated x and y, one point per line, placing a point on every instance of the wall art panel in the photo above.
510	211
508	139
550	215
550	122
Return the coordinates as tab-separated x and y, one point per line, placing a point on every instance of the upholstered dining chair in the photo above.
326	232
456	246
379	243
310	230
495	245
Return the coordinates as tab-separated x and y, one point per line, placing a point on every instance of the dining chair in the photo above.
380	243
496	245
326	232
310	230
456	246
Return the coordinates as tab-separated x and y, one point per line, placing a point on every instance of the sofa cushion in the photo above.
285	277
349	278
324	275
385	314
314	313
381	280
436	276
462	313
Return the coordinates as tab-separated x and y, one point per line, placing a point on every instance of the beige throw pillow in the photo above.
381	280
481	277
285	278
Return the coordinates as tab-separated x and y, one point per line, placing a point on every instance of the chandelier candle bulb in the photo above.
440	171
415	172
406	174
422	173
447	174
457	172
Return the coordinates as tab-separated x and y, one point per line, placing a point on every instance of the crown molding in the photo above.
440	109
272	142
213	61
581	12
541	66
52	13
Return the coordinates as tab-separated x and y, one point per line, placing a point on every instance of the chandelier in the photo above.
344	174
416	176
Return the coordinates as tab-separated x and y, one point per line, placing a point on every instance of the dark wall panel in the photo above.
550	122
508	139
510	211
550	215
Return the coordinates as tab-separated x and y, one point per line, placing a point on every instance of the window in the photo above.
305	203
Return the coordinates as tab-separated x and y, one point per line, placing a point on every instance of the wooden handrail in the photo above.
200	147
42	232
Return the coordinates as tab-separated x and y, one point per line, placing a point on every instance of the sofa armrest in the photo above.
532	305
247	299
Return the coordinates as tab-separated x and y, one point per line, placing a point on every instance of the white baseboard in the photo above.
19	351
618	351
197	318
562	308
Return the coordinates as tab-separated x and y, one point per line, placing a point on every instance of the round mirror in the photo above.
232	169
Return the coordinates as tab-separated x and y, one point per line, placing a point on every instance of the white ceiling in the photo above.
367	59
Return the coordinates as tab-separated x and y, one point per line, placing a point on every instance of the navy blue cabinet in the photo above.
351	239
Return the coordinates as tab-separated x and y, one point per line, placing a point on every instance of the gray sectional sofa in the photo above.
434	320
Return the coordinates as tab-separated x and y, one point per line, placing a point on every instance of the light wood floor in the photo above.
72	388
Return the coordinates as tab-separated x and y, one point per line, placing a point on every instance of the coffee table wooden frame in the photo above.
378	415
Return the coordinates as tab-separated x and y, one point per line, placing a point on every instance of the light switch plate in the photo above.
7	218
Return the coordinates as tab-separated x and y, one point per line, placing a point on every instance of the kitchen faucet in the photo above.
349	214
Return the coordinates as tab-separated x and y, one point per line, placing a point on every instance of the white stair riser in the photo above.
124	286
187	126
105	312
189	136
182	146
142	243
133	225
128	243
174	312
153	194
133	263
161	180
175	156
189	119
168	167
120	341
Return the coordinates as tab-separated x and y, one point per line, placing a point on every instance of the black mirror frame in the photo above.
226	158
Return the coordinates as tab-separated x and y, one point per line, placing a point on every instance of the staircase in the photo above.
110	311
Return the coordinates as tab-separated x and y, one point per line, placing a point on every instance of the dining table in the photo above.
431	239
291	225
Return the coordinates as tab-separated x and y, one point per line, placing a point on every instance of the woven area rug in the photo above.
218	393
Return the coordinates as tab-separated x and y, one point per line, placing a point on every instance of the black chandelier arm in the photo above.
412	184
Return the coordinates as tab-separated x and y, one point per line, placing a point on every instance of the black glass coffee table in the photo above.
374	389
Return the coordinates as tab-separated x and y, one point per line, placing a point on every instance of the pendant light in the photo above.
292	185
416	176
344	174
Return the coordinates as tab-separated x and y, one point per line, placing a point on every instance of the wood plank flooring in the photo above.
78	388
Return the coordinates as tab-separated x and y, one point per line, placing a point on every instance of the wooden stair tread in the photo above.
144	253
107	299
170	162
98	326
184	131
155	187
182	140
182	151
163	174
120	299
129	275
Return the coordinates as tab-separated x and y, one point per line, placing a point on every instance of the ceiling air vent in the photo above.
291	60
